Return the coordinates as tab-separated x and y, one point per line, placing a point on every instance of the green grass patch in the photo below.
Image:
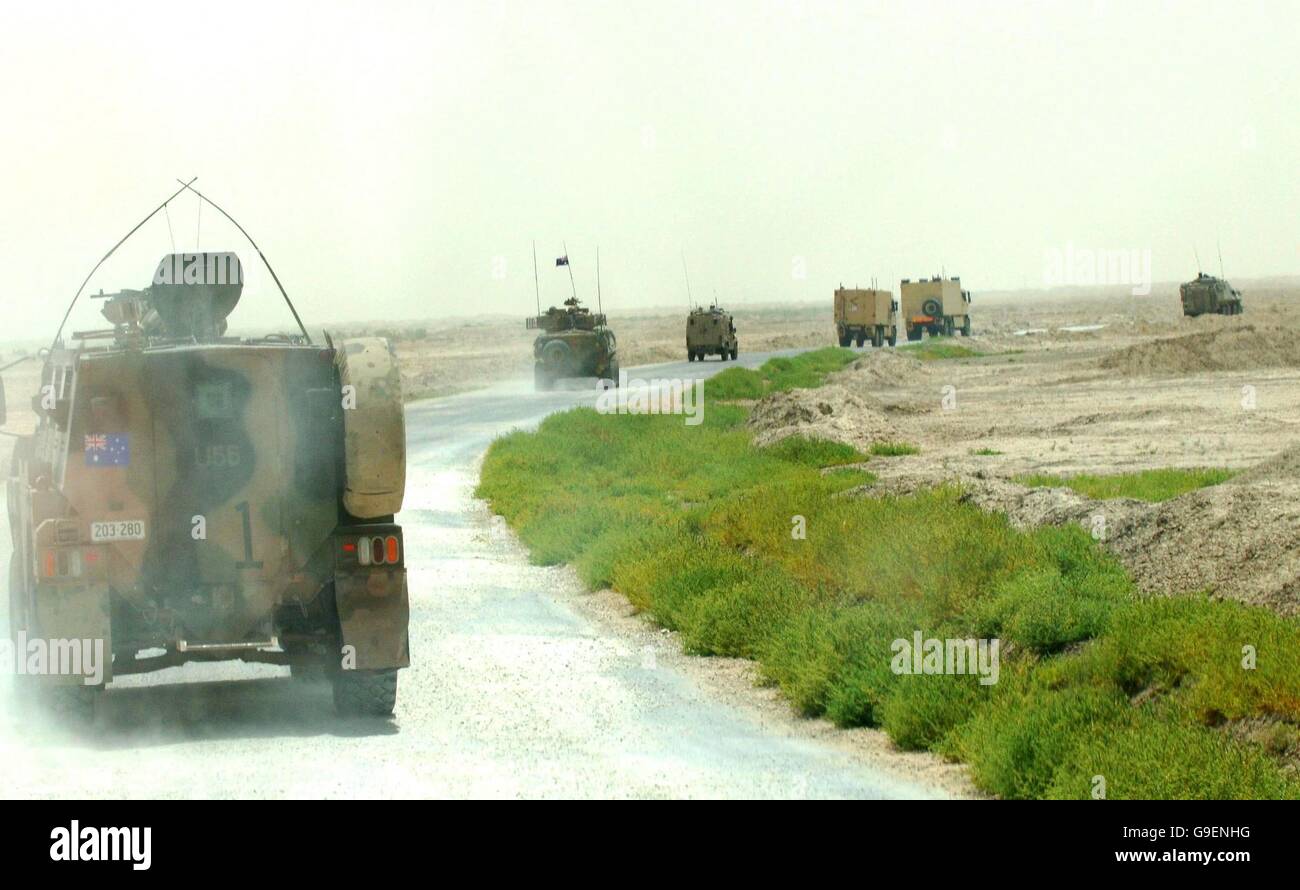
816	452
893	449
1145	485
759	553
803	371
985	452
932	351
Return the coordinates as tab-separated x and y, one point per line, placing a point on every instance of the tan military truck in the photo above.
938	305
192	496
711	331
863	316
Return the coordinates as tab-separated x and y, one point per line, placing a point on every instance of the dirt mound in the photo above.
836	411
1237	348
1283	468
883	368
1239	540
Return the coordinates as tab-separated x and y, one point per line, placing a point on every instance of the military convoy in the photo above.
1206	295
189	496
574	342
711	331
865	316
937	305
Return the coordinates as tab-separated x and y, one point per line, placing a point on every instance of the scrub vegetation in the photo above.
1146	485
770	554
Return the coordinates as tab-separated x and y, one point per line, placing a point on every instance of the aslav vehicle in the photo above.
575	342
190	496
938	305
866	316
1208	294
711	331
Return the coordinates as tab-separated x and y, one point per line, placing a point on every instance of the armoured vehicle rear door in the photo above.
219	421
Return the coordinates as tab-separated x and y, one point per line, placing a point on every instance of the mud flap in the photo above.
373	615
71	635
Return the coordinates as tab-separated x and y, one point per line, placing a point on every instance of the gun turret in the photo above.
573	317
191	296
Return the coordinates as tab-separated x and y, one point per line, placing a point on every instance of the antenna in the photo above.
265	261
59	332
1198	259
568	264
600	307
537	287
690	300
1220	250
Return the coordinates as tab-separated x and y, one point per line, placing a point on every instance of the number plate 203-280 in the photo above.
118	530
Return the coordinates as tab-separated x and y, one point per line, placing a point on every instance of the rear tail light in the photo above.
376	551
61	563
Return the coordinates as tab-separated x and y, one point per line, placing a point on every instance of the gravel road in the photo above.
519	686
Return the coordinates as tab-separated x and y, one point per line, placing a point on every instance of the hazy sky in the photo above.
396	160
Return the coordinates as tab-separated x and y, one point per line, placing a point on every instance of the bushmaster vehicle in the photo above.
866	316
190	496
575	342
1209	295
711	331
937	305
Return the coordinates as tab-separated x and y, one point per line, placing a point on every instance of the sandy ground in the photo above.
1149	389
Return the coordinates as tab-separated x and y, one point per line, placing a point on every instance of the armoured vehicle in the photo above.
711	331
1207	294
863	316
192	496
937	305
574	342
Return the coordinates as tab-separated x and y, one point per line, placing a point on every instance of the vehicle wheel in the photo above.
365	693
735	351
893	336
914	334
859	340
878	340
612	370
845	340
965	326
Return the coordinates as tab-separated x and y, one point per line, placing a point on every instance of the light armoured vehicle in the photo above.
711	331
1209	295
865	316
192	496
937	305
574	342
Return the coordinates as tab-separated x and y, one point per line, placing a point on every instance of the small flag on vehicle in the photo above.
562	261
112	450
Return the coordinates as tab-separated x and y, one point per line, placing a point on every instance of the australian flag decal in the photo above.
111	450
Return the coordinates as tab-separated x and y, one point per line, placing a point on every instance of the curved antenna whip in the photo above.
265	262
59	333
